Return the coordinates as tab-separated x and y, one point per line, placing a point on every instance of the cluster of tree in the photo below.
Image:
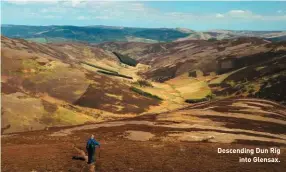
125	59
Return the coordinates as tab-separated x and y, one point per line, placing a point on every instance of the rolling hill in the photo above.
61	90
91	34
99	34
144	102
274	36
255	64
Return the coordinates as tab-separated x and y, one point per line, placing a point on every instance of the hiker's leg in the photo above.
93	157
89	157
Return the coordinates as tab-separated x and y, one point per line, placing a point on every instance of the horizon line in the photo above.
143	27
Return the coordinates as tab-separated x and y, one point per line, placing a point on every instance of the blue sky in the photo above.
172	14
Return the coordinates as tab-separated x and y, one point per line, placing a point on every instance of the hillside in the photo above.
180	57
144	102
63	90
251	65
210	68
182	140
274	36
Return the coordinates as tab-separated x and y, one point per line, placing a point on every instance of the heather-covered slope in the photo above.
181	57
68	91
47	85
235	67
178	141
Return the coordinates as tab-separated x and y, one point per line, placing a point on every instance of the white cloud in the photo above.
32	14
52	17
83	18
138	7
128	12
232	15
57	9
102	17
76	2
44	10
219	15
120	10
23	2
250	16
237	12
240	13
17	2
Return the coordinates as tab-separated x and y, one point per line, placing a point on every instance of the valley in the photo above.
143	86
152	106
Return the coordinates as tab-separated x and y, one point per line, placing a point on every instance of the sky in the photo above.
202	15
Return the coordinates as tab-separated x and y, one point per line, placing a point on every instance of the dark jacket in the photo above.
91	144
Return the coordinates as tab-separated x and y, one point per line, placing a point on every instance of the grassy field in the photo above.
99	67
220	78
190	88
38	40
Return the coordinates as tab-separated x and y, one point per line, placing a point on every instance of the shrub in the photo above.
143	83
95	66
211	96
207	98
114	74
125	59
231	83
212	39
196	100
143	93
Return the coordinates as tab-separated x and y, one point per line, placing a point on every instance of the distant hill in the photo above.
91	34
169	60
229	34
100	34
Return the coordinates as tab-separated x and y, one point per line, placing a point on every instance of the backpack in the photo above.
91	146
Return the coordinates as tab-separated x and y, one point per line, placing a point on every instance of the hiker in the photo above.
90	148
